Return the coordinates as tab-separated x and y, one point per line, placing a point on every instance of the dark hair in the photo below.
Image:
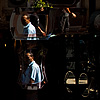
28	16
31	54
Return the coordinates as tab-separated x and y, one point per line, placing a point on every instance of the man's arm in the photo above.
44	34
32	81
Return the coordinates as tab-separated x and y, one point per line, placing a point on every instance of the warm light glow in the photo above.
88	61
68	10
44	82
42	9
74	15
20	42
15	44
5	45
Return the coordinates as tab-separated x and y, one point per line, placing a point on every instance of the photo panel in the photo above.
31	58
43	24
49	56
29	24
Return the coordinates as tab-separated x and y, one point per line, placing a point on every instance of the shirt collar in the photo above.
27	25
31	63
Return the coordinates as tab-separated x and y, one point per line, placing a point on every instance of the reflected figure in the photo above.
34	18
29	29
32	75
64	20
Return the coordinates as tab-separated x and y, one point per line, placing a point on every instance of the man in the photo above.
32	74
36	22
64	20
29	29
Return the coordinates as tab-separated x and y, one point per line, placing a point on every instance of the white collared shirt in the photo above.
36	73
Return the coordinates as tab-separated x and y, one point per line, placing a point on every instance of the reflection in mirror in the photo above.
67	20
47	23
29	24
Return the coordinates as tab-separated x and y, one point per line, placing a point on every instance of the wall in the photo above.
97	4
85	4
4	6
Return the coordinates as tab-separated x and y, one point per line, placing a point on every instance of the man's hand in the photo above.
44	34
32	81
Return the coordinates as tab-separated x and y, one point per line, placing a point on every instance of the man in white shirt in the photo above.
32	74
29	29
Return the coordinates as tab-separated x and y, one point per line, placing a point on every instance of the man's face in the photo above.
29	57
24	20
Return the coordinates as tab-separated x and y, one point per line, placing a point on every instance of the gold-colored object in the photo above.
83	79
70	78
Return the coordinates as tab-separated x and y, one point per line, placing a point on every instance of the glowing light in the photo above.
95	35
68	10
88	61
44	82
42	9
74	15
5	45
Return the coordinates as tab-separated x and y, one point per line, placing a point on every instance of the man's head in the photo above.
30	56
25	19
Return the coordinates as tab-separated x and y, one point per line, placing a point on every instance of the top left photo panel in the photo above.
30	22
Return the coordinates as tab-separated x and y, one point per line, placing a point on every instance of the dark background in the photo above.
55	61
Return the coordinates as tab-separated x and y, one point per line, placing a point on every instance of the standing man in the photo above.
29	29
32	75
64	20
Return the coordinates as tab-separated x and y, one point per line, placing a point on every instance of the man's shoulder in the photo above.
35	64
31	29
31	25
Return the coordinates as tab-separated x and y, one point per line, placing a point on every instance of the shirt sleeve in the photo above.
33	75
